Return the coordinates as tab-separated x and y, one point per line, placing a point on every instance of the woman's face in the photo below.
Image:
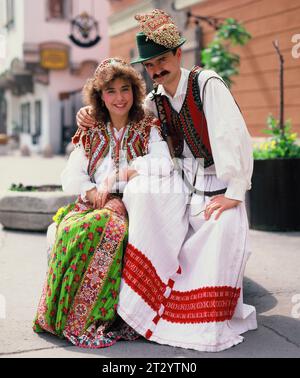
118	97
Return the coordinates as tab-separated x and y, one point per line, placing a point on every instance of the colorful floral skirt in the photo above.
81	291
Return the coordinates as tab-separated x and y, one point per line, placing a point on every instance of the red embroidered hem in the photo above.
202	305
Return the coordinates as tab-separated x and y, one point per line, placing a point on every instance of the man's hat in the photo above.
158	35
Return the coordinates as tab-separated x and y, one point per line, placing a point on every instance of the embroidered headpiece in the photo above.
109	62
160	28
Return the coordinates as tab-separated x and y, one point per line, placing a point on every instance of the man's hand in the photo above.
219	203
84	119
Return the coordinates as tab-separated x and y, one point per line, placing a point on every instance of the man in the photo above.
183	271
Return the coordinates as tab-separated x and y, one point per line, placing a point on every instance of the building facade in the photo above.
256	88
47	53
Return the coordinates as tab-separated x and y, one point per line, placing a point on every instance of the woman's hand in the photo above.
91	196
84	119
104	190
101	196
219	203
116	205
98	198
127	174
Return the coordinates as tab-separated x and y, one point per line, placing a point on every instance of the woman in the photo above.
80	295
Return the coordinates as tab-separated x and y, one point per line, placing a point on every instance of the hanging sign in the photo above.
54	56
84	31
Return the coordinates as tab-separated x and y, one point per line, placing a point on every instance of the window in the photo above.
25	118
9	13
37	118
59	9
3	114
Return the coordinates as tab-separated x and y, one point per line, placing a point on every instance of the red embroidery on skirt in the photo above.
141	276
206	304
171	283
156	319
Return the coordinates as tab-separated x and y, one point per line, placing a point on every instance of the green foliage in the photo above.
217	56
233	31
22	188
33	188
280	144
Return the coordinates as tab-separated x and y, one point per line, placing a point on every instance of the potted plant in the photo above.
274	202
274	197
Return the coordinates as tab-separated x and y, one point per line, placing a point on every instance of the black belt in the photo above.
214	193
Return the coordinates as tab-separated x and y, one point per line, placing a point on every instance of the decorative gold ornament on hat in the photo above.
159	27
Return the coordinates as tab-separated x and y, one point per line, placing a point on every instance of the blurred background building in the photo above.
42	70
256	89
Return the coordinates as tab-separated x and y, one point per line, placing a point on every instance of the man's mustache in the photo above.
163	73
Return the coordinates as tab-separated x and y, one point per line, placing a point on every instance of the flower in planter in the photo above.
281	144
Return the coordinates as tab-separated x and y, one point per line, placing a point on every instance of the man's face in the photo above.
165	68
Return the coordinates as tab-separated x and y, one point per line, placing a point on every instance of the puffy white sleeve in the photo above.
229	138
75	178
158	160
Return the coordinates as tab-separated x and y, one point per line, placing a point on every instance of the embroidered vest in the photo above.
97	141
189	124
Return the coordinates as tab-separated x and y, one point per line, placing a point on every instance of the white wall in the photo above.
14	37
38	30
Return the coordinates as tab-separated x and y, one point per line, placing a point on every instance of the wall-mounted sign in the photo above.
54	56
84	31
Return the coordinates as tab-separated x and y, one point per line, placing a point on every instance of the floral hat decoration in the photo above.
101	70
158	35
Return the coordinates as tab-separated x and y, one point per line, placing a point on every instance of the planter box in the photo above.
274	200
31	211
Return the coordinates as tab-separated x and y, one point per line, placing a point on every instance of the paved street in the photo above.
272	284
